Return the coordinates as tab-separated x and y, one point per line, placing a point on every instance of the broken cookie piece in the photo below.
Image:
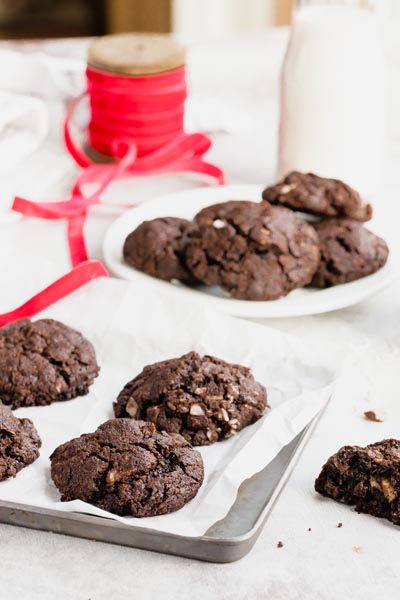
157	248
365	477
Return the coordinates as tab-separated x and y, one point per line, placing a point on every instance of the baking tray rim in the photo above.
245	540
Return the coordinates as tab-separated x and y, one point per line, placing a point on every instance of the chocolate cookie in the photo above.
19	443
368	478
318	196
43	362
156	247
349	251
201	397
128	468
252	250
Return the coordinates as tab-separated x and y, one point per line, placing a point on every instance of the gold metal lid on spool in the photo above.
136	53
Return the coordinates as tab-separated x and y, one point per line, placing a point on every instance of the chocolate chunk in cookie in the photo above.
203	398
19	443
128	468
367	478
156	247
252	250
349	251
43	362
315	195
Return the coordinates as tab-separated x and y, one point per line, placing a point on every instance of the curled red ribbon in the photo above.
60	288
138	120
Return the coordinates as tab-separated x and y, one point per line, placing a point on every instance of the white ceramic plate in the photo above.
186	204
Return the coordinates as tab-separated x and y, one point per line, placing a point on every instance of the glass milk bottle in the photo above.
332	94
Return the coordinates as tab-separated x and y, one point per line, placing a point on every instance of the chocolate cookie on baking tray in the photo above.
44	361
203	398
128	468
19	443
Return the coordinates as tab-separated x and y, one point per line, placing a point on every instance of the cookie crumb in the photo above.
357	549
340	525
279	545
375	415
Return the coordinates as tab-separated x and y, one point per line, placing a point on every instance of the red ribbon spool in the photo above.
148	110
139	122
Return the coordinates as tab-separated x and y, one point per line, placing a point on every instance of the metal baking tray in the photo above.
226	541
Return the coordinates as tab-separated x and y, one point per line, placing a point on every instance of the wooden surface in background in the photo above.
138	15
156	15
283	12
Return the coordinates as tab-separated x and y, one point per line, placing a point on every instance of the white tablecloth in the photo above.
358	561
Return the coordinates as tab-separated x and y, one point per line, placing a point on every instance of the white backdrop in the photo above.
220	16
214	17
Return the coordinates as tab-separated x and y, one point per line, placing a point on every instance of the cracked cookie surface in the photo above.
128	468
252	250
349	251
203	398
19	443
316	195
365	477
156	247
43	362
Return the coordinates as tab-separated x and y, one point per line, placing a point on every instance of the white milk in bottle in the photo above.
332	95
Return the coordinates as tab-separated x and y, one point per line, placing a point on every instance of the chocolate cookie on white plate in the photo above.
349	251
320	196
157	248
252	250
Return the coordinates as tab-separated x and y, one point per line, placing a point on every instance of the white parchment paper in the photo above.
131	327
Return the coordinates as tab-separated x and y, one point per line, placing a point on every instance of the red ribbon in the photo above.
138	120
60	288
149	109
